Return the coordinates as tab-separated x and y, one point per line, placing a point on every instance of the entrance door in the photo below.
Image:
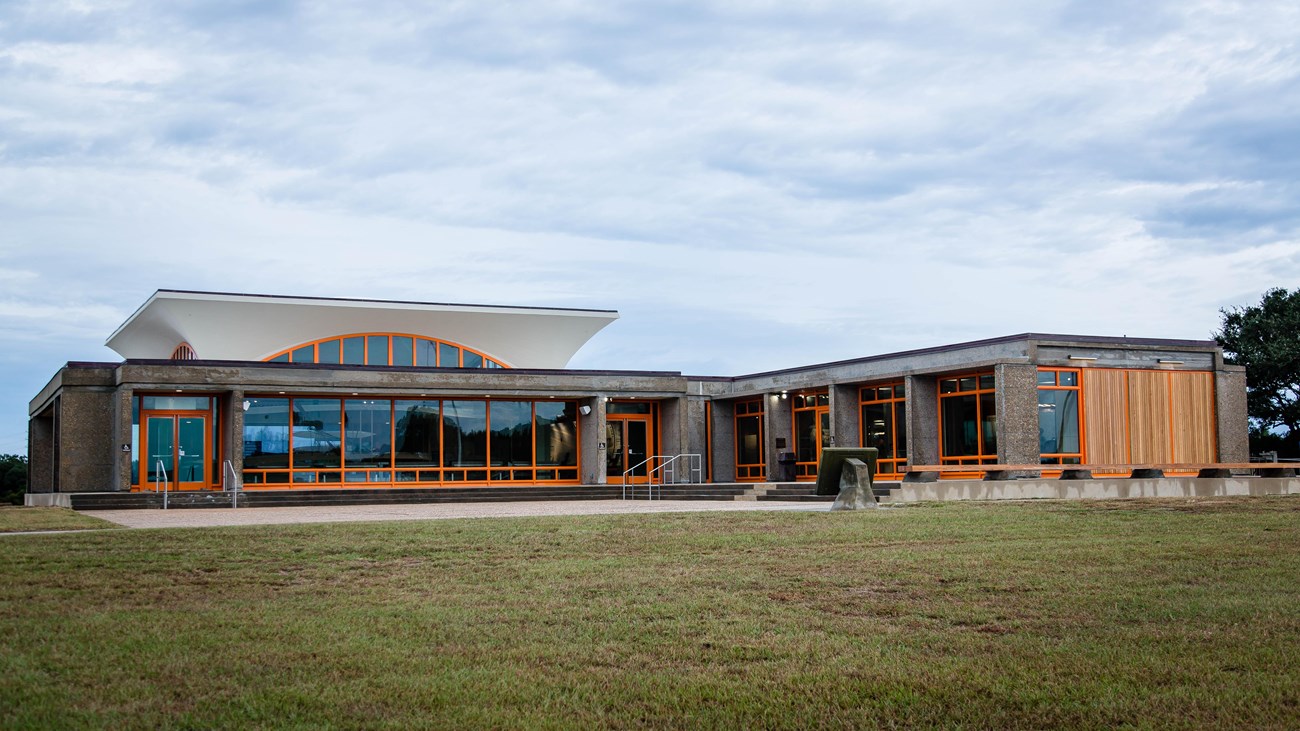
627	446
176	447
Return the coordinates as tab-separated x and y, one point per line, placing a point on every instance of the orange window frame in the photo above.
982	457
805	471
746	471
889	466
1059	457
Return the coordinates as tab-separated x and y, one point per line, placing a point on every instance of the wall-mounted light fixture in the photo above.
584	409
1164	361
785	394
1084	358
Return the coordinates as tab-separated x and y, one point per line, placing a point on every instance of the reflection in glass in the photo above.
426	353
556	433
989	422
960	426
317	426
805	430
1058	421
176	403
417	433
190	455
377	350
354	351
878	429
328	352
464	433
471	360
448	356
367	429
512	433
403	355
305	354
266	434
749	441
160	431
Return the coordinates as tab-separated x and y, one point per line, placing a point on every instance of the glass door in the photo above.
176	449
627	446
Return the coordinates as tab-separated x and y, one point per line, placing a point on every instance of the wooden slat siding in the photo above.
1148	417
1193	416
1103	397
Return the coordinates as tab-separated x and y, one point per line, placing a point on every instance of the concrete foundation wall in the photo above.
1097	489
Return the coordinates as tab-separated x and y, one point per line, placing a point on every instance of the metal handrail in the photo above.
664	470
234	485
166	483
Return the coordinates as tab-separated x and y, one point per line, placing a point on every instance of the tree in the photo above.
1265	338
13	478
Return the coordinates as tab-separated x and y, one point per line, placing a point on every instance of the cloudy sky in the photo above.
751	184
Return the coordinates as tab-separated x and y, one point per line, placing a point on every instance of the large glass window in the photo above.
884	425
968	419
425	440
750	463
1058	417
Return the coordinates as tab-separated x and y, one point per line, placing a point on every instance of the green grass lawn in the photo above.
1172	613
14	519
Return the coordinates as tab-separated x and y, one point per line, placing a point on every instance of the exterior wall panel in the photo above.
1148	417
1192	397
1105	416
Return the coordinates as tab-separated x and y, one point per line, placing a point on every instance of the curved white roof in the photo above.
250	327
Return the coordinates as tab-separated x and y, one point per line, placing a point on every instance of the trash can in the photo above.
785	466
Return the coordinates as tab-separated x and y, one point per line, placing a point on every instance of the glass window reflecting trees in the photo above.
968	420
1059	439
884	425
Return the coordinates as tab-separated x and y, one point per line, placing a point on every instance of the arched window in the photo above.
387	349
184	352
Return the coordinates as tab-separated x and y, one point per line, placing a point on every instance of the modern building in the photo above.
286	393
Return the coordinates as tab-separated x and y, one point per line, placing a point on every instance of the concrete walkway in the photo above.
209	517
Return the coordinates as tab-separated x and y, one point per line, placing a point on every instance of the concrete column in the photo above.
123	436
696	435
922	419
724	441
232	434
1017	405
845	426
672	426
778	416
592	449
1232	425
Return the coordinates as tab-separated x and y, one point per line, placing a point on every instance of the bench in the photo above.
930	473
